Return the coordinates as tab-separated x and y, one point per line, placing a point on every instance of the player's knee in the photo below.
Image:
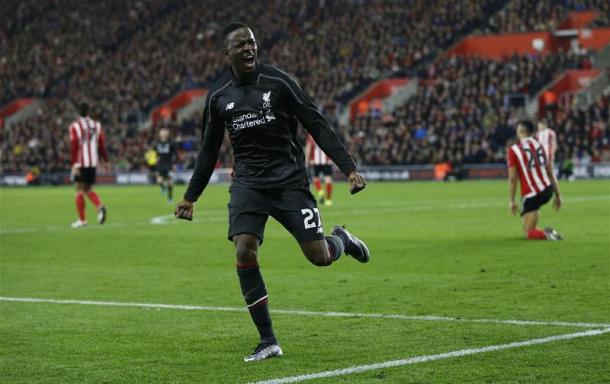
246	252
320	261
319	258
317	253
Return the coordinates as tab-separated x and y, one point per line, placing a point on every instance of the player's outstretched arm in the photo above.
318	127
213	133
356	181
184	210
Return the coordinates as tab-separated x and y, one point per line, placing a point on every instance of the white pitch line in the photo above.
308	313
427	358
159	220
95	226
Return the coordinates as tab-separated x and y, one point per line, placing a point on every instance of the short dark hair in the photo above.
528	126
83	109
232	27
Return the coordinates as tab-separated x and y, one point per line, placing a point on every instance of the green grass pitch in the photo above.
437	249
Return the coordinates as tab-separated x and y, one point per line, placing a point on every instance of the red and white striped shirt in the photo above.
530	159
315	155
547	138
87	142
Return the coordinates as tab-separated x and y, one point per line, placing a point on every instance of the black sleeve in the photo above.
212	135
319	128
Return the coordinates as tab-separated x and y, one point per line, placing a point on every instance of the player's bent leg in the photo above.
530	221
255	296
318	252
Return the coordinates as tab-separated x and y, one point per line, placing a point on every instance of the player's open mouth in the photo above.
249	61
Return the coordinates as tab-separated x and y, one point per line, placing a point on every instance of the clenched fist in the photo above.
184	210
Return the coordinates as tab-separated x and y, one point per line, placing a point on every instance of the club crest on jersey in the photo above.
267	106
267	99
230	106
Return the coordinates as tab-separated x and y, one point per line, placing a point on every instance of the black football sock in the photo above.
335	247
343	237
255	294
170	192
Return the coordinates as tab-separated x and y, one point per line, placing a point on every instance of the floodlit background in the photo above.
418	91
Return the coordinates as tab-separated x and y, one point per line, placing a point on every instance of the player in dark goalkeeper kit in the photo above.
260	106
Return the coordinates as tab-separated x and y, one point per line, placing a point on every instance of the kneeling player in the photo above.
528	161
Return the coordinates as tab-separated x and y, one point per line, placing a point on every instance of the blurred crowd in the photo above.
125	58
544	15
464	111
137	54
35	142
583	136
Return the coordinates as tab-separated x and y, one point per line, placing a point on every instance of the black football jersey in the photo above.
261	114
166	150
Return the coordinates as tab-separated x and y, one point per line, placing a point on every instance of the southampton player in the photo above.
260	105
527	161
87	145
166	151
320	164
547	137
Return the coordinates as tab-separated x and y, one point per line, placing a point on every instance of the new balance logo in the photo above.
229	106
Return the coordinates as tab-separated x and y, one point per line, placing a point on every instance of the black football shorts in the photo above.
86	175
322	169
295	209
535	202
163	170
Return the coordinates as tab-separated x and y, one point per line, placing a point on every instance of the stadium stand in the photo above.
544	15
461	112
144	52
